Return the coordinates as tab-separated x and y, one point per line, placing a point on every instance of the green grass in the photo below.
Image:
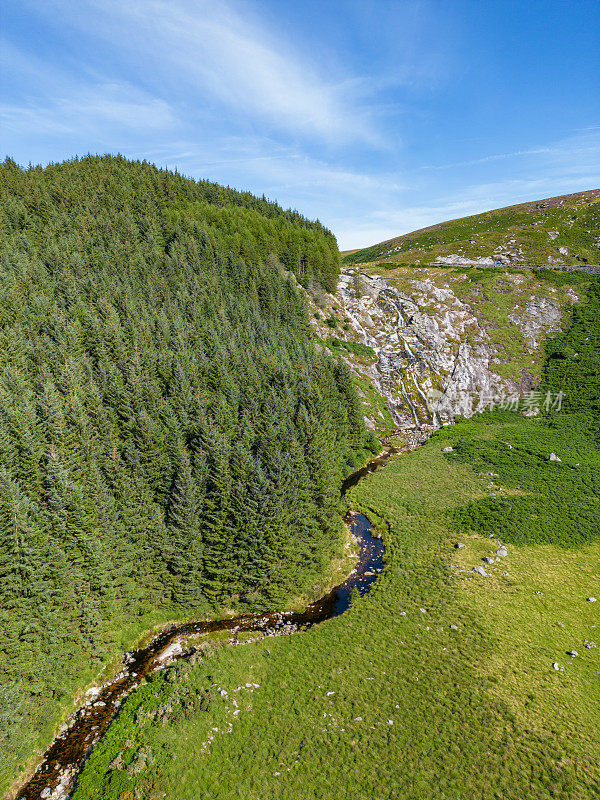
574	218
374	407
338	346
556	502
477	712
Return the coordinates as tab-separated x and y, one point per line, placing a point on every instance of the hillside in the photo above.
171	441
562	230
426	344
442	682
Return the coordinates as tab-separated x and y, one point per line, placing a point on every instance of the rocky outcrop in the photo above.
436	357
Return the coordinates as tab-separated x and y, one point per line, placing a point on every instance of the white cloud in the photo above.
88	110
225	56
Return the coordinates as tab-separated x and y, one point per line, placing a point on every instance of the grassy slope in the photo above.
477	712
521	229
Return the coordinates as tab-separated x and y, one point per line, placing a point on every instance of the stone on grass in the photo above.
447	450
459	545
554	457
591	599
453	627
502	552
555	666
573	653
481	571
488	559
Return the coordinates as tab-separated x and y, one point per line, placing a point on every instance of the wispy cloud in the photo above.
223	53
487	159
89	108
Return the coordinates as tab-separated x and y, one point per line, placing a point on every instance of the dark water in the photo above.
66	755
369	566
369	467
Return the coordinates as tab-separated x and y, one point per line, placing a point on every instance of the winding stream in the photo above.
55	777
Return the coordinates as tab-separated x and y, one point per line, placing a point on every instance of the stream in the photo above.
56	775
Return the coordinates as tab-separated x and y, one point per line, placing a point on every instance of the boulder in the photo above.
553	457
555	666
481	571
447	450
459	545
502	552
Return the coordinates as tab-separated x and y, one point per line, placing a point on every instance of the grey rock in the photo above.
573	653
453	627
502	552
555	666
591	599
488	559
481	571
554	457
459	545
447	450
433	356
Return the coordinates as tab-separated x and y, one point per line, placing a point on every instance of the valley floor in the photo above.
437	685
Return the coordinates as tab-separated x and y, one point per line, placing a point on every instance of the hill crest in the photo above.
537	232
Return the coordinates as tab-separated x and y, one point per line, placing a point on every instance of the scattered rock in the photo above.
591	599
556	666
447	450
459	545
537	591
553	457
481	571
488	559
589	645
453	627
502	552
573	653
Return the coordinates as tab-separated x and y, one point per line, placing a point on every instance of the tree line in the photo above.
170	437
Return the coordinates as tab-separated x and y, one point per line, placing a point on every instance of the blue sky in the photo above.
375	117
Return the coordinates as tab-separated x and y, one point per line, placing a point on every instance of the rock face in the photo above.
436	357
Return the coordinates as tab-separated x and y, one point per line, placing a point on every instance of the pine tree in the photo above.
185	541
